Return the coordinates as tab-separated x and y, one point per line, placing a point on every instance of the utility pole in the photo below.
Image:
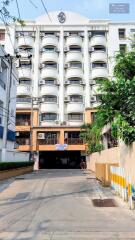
7	106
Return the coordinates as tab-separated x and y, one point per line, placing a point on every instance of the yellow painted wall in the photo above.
123	155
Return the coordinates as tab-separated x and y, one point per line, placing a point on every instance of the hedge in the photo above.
14	165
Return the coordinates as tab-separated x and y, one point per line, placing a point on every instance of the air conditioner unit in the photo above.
41	82
17	134
66	34
16	50
41	65
57	83
57	34
63	123
66	49
92	82
93	99
90	34
91	49
66	99
41	136
32	34
57	50
42	34
66	65
82	82
67	82
81	34
26	123
56	121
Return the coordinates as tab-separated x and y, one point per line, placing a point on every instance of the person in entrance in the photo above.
83	164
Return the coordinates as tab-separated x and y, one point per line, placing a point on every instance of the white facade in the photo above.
7	77
66	59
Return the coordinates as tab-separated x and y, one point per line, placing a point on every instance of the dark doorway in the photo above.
60	159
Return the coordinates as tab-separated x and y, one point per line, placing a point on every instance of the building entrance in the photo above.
59	159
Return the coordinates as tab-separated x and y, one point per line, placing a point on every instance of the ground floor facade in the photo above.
55	146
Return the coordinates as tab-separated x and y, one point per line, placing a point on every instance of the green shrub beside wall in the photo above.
14	165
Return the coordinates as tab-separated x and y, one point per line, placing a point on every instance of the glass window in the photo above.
97	64
76	98
49	98
76	64
48	117
122	48
74	81
122	33
49	81
75	116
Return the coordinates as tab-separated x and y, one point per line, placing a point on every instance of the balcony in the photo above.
73	141
49	73
51	141
24	72
25	41
49	40
23	141
49	90
74	73
99	72
49	107
23	102
98	56
73	56
49	57
74	41
74	90
22	122
98	40
75	107
23	90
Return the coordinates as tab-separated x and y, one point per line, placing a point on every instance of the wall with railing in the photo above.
15	156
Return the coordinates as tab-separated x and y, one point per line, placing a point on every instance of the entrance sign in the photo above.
119	8
61	147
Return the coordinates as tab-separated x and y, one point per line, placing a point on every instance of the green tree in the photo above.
117	103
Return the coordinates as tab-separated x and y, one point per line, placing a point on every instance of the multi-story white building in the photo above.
60	61
8	82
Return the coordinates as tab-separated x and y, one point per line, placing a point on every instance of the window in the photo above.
75	48
74	81
93	117
76	64
51	99
49	49
99	64
51	65
48	116
25	82
76	98
122	33
75	116
94	33
23	99
122	48
2	35
49	81
99	48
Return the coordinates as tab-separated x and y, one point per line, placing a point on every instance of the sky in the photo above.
93	9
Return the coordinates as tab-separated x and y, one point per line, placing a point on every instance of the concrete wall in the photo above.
123	155
16	156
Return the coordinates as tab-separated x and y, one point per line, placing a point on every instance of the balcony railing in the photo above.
23	141
22	122
50	141
73	141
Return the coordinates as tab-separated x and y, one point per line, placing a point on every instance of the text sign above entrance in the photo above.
61	147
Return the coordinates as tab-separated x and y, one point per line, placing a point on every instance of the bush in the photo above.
14	165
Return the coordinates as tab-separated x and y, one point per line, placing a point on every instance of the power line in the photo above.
46	10
33	4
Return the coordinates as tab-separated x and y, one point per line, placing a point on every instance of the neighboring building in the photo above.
60	61
8	82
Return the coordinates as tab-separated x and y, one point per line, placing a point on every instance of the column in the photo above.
86	68
61	76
